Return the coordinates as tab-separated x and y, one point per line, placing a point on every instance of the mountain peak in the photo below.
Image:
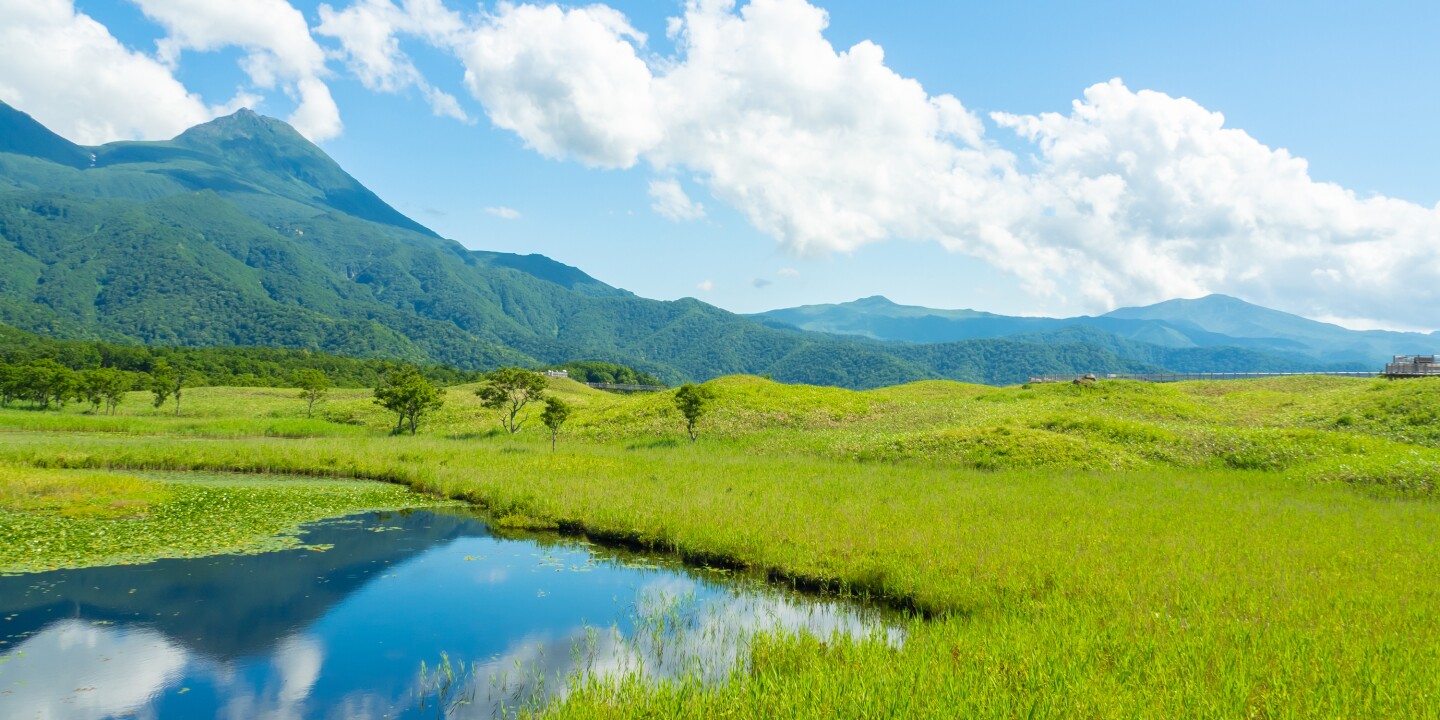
1219	299
258	146
246	125
874	301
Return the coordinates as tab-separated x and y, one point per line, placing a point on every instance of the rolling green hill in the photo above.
240	232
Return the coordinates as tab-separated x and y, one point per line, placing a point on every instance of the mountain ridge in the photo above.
1213	321
241	232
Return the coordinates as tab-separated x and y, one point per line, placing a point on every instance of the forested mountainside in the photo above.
240	232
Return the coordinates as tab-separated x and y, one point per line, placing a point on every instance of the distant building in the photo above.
1413	366
556	373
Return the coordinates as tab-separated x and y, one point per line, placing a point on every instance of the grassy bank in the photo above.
52	519
1205	550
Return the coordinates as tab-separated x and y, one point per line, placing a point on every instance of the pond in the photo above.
340	628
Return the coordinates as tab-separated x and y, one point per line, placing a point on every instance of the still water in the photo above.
340	629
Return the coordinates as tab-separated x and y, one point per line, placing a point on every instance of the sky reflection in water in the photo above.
342	633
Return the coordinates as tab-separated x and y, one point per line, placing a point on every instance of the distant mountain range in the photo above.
241	232
1215	321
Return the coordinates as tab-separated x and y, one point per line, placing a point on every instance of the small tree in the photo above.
46	382
105	387
113	388
694	402
508	390
12	384
405	392
90	387
556	412
313	386
163	383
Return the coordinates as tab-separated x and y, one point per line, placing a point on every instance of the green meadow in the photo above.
1241	549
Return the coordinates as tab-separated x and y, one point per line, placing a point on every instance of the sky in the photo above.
1053	158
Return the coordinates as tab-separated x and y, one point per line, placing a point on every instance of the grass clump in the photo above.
53	519
91	495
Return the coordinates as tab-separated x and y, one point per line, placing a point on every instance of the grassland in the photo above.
1259	549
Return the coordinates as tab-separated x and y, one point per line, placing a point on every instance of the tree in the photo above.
12	385
694	402
508	390
405	392
556	412
165	381
113	390
313	385
105	387
90	388
45	382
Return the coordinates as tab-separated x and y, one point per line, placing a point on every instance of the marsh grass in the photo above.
52	519
72	494
1127	550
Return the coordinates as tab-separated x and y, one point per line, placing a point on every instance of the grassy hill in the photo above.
1380	434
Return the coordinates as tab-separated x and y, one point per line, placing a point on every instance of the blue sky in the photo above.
1347	88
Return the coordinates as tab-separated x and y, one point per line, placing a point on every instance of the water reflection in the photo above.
342	633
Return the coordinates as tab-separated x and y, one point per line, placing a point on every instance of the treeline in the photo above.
227	366
46	384
595	371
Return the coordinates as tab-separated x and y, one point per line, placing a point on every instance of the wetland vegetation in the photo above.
1260	548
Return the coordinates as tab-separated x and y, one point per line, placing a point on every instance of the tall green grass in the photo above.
1127	550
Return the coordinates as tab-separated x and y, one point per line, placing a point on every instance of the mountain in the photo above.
1241	320
1272	340
241	232
880	319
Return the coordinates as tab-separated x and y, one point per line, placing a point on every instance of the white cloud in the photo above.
705	285
280	51
670	201
369	32
1136	196
568	82
504	213
71	74
1152	196
788	273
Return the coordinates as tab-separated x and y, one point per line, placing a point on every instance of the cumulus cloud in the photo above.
280	52
705	285
670	201
567	81
1147	195
1133	196
788	273
1129	196
67	70
504	213
369	33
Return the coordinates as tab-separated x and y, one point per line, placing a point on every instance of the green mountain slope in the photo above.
20	133
241	232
